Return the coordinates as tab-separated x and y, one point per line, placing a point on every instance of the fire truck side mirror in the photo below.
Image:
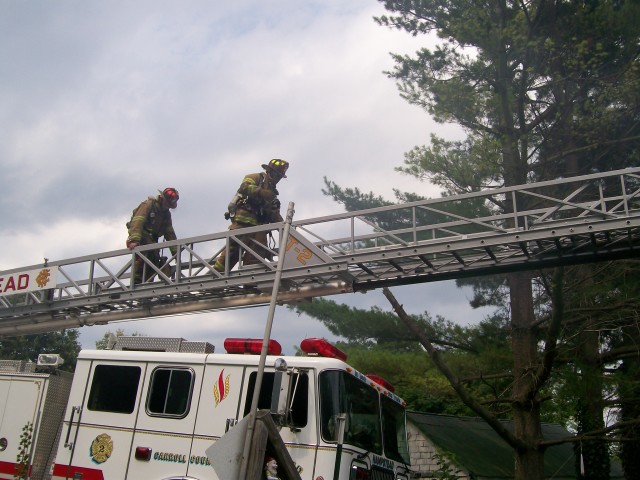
283	394
280	397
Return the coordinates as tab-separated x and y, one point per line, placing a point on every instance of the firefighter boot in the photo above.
219	266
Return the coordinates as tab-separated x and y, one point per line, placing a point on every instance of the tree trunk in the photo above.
593	454
529	460
590	407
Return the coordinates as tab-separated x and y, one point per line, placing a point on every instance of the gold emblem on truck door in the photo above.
101	448
221	388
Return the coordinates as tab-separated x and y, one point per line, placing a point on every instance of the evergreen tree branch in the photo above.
437	359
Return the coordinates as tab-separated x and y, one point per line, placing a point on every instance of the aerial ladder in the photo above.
574	220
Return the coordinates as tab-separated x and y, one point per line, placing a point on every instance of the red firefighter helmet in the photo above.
171	196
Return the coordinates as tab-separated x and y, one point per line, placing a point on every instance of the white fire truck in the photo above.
149	408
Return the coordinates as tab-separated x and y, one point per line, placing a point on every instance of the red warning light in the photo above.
252	346
381	381
143	453
319	346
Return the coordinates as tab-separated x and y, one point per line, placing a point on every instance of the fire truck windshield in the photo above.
373	422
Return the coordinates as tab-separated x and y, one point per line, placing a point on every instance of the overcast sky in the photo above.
102	103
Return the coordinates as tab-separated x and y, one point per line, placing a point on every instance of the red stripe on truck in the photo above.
65	471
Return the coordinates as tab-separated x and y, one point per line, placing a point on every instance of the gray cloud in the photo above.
103	103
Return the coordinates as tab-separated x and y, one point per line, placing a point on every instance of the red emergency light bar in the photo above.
252	346
319	346
381	381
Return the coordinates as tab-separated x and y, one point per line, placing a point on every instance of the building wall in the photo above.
423	455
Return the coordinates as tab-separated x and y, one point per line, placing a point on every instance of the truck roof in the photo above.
210	358
178	351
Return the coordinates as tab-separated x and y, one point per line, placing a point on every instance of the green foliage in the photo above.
458	167
446	470
28	347
541	89
24	447
377	343
413	375
380	329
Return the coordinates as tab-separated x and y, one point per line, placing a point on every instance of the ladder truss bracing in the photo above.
566	221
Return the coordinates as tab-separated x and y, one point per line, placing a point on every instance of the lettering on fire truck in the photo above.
28	281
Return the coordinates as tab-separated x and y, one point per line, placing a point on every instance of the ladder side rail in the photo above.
603	202
148	263
414	223
322	242
509	250
413	230
36	298
491	222
203	264
631	172
92	268
352	225
584	207
19	299
112	277
190	249
506	255
499	241
618	209
71	283
158	269
483	221
382	233
514	210
626	199
121	274
446	227
245	248
555	209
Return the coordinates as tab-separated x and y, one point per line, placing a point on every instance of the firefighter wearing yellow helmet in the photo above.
255	203
149	221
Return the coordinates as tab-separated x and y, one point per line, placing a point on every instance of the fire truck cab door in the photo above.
222	391
100	435
166	420
300	433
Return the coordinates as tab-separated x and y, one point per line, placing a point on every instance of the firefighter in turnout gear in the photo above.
150	221
255	203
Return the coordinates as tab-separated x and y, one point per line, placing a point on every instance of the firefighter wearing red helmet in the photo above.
149	221
255	203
